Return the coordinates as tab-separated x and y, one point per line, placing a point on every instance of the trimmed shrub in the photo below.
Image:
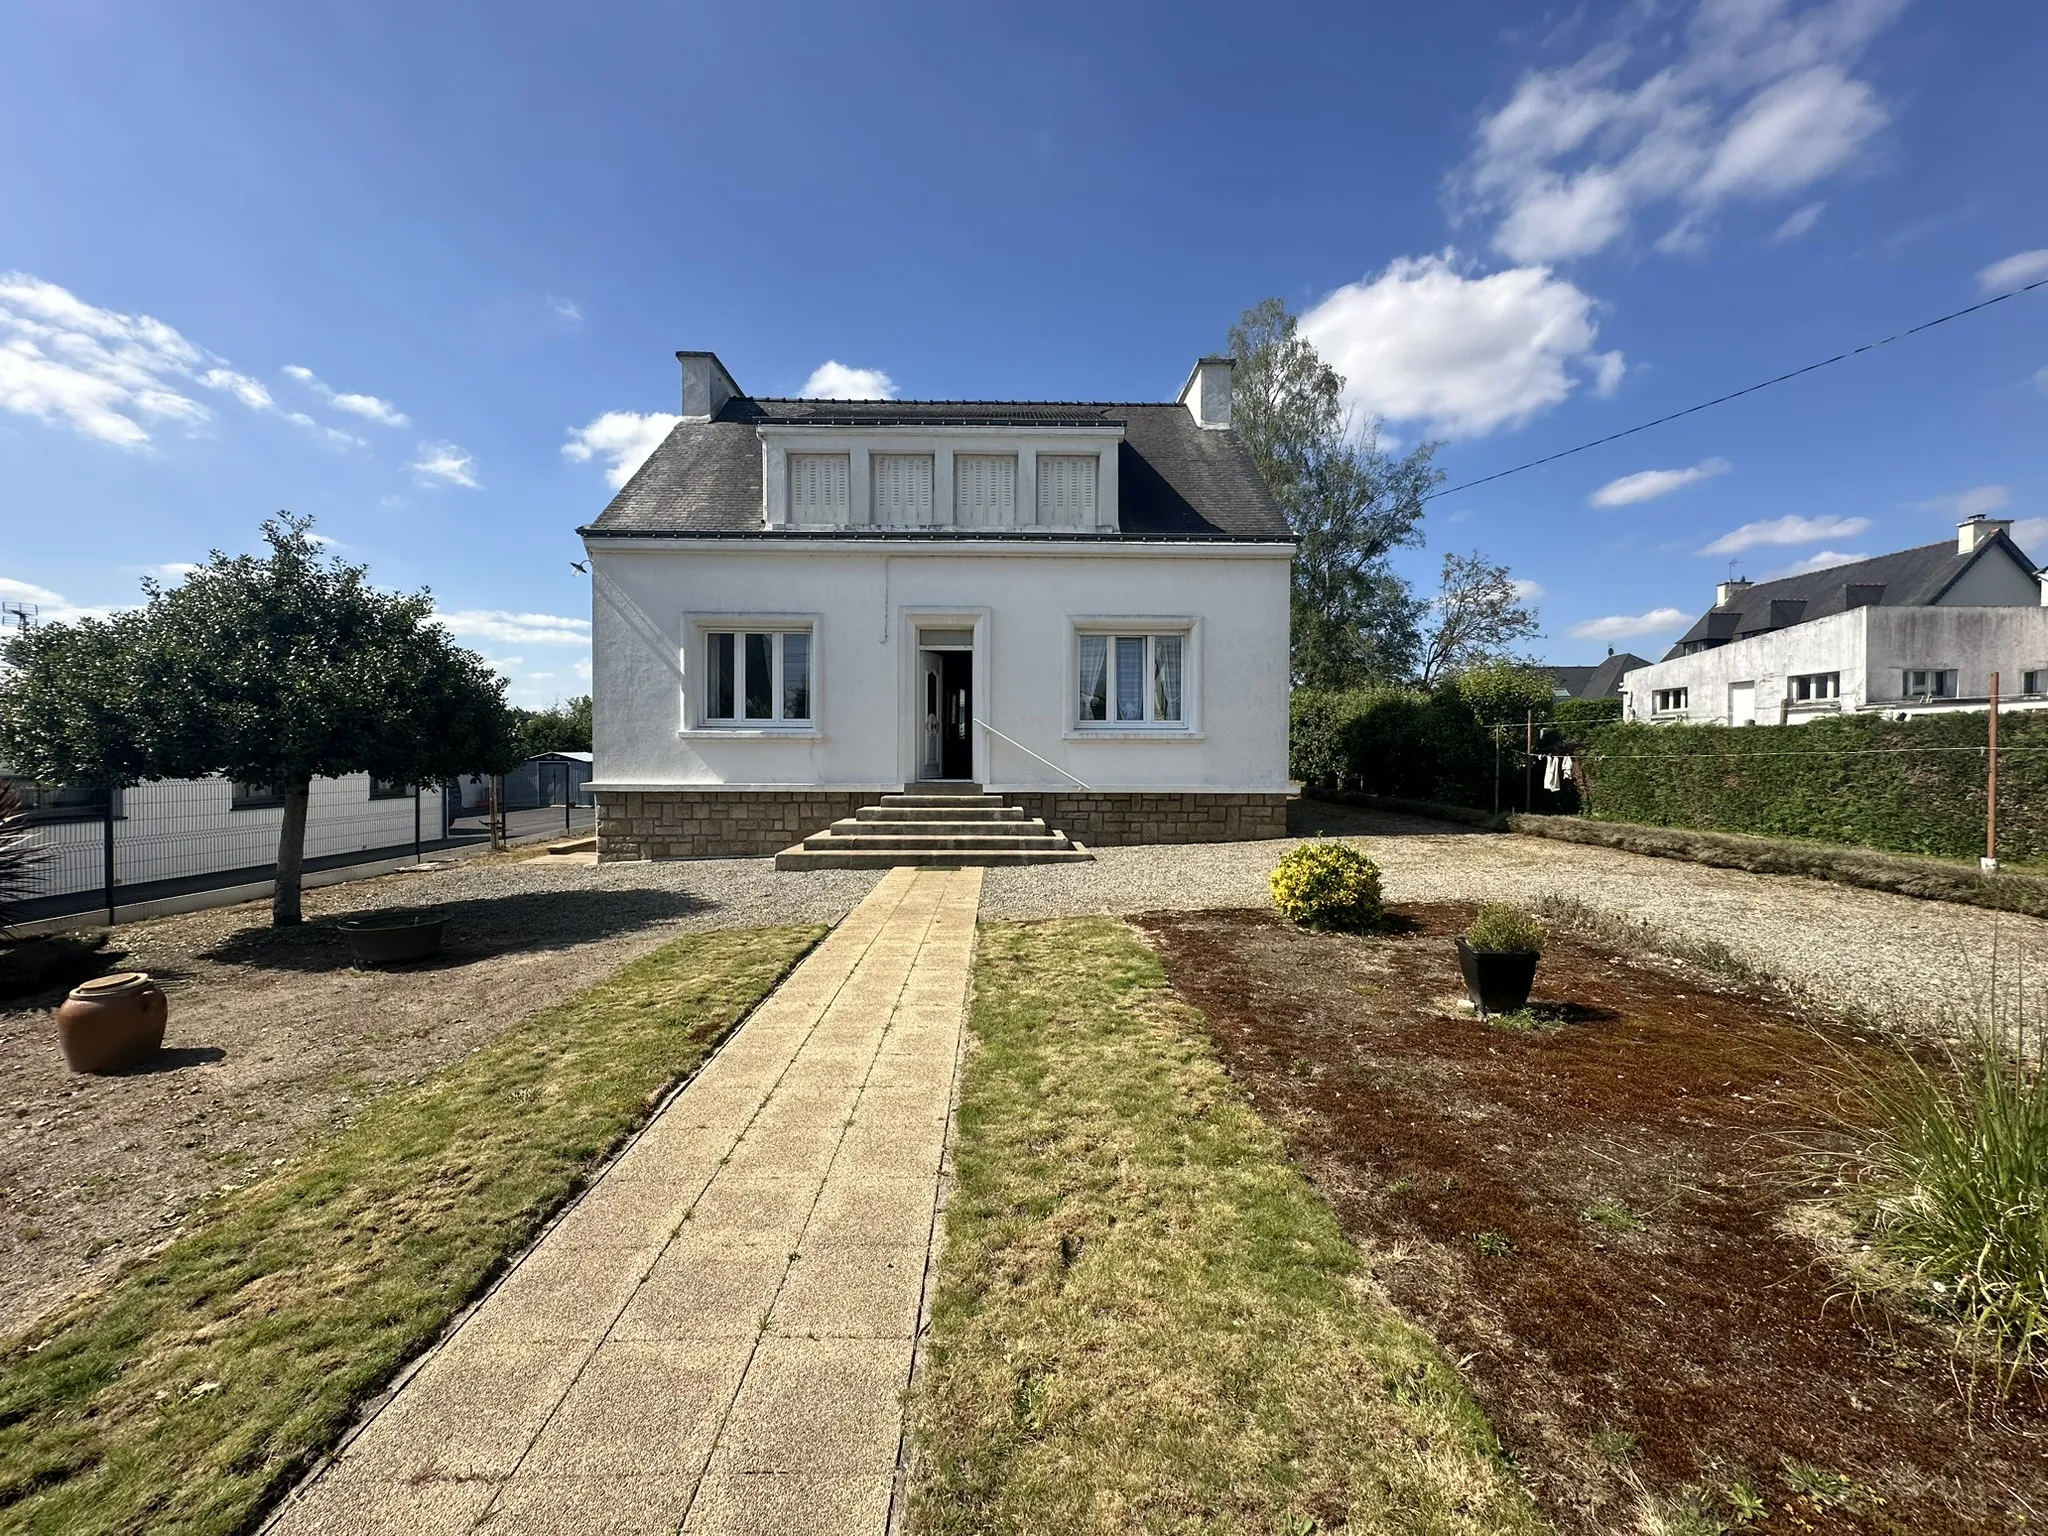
1573	718
1907	786
1499	929
1329	885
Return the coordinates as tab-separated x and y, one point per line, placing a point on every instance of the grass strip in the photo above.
1146	1319
207	1378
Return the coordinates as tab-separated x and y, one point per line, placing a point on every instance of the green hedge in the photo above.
1574	718
1392	741
1907	786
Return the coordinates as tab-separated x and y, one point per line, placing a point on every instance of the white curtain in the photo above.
1130	677
1166	677
1094	677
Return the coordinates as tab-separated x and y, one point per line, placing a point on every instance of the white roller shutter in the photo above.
818	488
985	490
902	489
1066	490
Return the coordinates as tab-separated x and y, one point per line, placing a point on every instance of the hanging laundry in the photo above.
1553	773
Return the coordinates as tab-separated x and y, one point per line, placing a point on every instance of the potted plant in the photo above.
394	937
1498	954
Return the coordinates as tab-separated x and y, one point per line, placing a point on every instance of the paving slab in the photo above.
717	1337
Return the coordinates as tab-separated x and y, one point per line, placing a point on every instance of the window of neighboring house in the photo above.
255	797
2034	682
1670	701
901	489
818	487
1132	680
65	802
1930	683
984	490
1066	490
389	789
757	677
1816	685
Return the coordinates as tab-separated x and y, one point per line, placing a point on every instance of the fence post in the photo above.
415	823
1529	768
1989	862
107	841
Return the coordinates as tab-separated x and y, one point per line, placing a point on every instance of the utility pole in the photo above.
1529	767
1989	863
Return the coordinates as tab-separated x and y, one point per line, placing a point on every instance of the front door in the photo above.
931	734
1742	703
956	714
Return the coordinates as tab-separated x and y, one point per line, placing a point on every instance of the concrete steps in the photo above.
923	826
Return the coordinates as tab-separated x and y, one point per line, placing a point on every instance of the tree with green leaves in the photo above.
1477	616
560	728
1350	505
268	669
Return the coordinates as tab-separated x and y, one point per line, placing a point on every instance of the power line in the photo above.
1925	325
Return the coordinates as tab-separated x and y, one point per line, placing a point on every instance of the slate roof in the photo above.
1597	682
1910	578
1175	479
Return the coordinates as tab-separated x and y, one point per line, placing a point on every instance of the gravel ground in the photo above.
1911	964
274	1037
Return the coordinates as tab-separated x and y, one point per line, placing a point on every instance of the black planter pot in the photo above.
394	939
1496	983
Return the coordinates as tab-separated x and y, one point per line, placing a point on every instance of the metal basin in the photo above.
394	938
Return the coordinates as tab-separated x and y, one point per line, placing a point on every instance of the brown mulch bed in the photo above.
1597	1222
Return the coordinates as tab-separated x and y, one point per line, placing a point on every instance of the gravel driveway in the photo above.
1911	964
274	1036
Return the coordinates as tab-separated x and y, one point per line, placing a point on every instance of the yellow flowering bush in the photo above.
1329	885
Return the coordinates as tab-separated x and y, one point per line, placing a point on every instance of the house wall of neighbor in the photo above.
183	827
1872	649
864	603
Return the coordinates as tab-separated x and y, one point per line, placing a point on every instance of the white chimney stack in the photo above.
706	385
1207	392
1972	533
1727	589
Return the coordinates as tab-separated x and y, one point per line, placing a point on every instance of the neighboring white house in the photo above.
800	605
1919	630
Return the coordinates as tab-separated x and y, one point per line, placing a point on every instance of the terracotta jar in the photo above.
111	1022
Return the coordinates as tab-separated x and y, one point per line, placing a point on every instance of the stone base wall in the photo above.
1108	819
715	823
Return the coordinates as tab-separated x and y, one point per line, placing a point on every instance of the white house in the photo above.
802	605
1922	629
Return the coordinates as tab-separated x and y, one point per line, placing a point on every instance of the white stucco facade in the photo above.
866	598
1871	652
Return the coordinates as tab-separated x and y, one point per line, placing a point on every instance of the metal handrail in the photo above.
1055	767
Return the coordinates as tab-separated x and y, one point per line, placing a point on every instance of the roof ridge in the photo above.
1120	405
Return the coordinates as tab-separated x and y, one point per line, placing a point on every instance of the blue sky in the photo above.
421	271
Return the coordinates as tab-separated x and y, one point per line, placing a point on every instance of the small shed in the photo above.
549	778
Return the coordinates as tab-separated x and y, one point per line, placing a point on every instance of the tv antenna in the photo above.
23	614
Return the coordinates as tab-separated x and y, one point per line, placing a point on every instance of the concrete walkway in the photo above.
717	1337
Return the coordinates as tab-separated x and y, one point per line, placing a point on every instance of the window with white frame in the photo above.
1670	701
1132	680
1066	490
1930	683
1813	686
2034	682
818	487
985	490
759	677
902	489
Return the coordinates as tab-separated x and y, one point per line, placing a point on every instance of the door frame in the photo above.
910	689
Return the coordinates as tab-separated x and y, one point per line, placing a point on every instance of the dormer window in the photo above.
1066	490
984	490
902	489
819	487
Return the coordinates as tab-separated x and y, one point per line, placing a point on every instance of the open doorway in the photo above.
945	697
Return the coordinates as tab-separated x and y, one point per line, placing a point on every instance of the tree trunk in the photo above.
291	856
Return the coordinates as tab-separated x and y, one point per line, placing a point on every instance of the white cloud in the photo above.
1815	562
106	375
1608	367
444	464
1629	626
1649	484
1464	354
172	571
2014	271
369	407
1800	221
836	381
1753	101
624	437
2041	380
51	607
1786	530
1974	502
565	309
1527	590
504	628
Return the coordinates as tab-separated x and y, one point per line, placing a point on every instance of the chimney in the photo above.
1725	592
706	385
1207	392
1973	532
